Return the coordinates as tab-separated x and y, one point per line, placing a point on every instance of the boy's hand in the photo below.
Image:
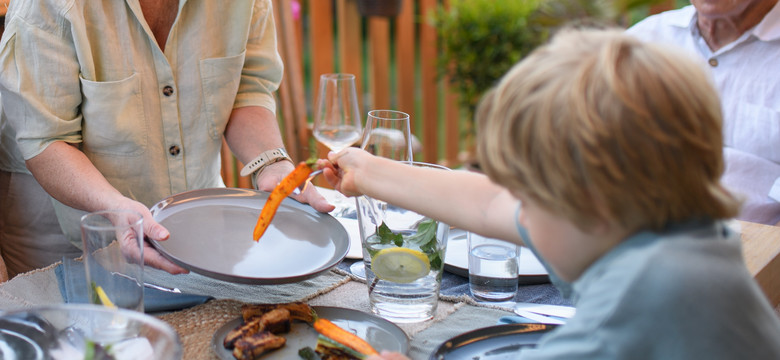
341	168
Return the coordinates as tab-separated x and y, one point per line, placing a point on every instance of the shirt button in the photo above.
713	62
174	150
168	90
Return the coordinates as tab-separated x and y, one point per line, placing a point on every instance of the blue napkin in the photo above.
71	278
517	319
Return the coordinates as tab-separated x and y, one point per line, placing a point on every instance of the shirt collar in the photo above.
643	238
769	27
766	30
684	18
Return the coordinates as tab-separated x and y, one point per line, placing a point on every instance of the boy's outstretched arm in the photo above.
463	199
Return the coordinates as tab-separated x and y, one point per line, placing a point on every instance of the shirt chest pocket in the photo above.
756	129
220	78
113	117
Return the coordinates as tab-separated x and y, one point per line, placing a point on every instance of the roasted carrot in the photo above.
294	179
332	331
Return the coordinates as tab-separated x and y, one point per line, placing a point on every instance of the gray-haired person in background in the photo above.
739	43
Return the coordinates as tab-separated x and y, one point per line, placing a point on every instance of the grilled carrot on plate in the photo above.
282	190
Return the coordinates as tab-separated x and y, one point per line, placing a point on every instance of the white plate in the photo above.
380	333
456	260
211	234
500	342
350	224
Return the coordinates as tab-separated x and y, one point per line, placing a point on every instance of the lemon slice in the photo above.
104	297
401	265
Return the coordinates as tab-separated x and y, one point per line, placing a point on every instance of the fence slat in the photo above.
452	138
321	40
428	53
350	43
293	81
404	58
228	169
663	6
379	43
284	93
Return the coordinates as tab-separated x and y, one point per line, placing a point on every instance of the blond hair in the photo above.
597	126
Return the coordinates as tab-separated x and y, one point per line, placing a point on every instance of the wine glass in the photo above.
387	134
337	122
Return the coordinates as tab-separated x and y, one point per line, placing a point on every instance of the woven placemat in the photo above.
196	326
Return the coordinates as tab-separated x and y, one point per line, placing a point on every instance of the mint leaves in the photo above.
386	236
424	238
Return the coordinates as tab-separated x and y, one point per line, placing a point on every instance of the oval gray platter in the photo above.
380	333
211	234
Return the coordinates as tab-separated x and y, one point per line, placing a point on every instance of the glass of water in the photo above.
493	268
113	243
403	253
387	134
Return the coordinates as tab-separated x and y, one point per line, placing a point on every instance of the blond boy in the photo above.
613	148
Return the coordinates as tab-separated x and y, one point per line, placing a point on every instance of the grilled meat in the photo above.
253	346
275	321
298	310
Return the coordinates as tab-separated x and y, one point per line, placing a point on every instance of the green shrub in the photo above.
481	40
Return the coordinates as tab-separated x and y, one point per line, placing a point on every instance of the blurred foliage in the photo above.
482	39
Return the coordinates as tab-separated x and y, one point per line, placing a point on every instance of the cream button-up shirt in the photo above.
150	119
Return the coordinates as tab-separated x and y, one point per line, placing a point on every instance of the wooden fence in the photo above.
394	60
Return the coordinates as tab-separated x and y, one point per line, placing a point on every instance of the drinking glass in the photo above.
113	257
493	268
387	134
337	122
86	331
403	253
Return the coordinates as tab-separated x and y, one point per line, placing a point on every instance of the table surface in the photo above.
761	250
455	314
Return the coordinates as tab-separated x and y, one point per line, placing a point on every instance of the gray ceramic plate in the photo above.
380	333
456	260
211	234
495	342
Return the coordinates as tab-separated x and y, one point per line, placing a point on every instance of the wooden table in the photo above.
761	250
196	326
